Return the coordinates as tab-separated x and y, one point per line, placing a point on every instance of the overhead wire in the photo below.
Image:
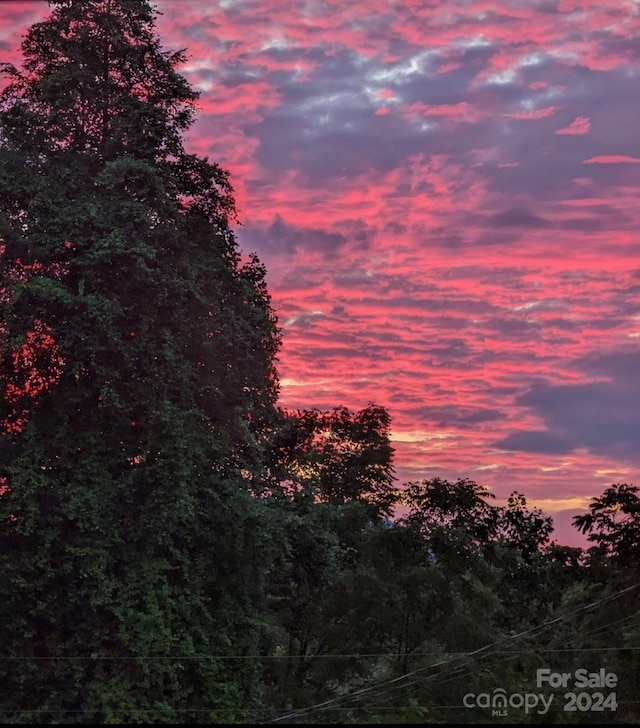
456	665
485	651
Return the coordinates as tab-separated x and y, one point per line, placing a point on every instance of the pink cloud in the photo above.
612	159
589	202
462	112
580	125
533	113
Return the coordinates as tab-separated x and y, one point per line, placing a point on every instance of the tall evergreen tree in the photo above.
137	384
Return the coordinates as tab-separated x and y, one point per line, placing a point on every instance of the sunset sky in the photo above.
446	197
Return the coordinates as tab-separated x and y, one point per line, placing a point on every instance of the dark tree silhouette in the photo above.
136	382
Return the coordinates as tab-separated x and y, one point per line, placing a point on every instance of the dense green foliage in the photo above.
409	618
175	547
137	386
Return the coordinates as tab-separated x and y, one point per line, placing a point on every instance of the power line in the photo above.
345	655
487	650
459	671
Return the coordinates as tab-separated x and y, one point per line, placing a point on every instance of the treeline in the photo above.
177	548
397	620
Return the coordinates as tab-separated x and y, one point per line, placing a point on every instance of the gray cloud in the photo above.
281	237
517	217
453	415
538	441
602	416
